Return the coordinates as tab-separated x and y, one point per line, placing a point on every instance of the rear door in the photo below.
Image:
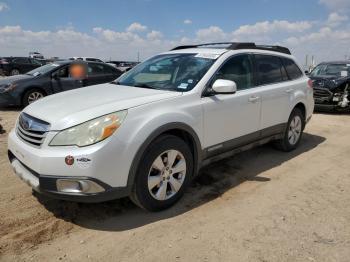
276	90
61	80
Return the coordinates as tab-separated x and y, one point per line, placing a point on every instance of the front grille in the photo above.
322	93
32	130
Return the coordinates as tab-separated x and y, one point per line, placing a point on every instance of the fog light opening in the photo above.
78	186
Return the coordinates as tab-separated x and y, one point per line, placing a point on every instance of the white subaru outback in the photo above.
147	134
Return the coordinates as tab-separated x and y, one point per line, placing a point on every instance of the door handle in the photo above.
290	90
253	99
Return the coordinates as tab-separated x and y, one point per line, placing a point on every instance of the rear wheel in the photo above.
14	72
163	174
293	132
32	95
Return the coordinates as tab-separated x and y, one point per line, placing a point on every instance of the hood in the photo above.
14	79
70	108
328	81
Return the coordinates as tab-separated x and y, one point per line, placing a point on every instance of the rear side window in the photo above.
21	60
96	69
270	69
293	70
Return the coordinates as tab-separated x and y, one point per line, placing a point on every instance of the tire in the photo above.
158	185
14	72
32	95
293	133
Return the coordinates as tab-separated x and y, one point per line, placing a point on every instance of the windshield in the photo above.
42	70
331	70
177	72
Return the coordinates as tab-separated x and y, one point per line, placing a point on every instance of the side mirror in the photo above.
222	86
55	76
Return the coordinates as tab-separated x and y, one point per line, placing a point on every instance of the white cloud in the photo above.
187	22
328	39
335	19
3	7
212	33
136	27
154	35
276	26
336	5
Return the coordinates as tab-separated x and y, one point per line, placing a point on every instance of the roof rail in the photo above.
240	45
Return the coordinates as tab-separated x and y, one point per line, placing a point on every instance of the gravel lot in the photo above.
261	205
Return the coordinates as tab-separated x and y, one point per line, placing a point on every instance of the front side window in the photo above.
270	69
177	72
35	62
238	69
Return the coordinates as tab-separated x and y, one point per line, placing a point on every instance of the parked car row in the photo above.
148	133
24	89
10	66
122	65
18	65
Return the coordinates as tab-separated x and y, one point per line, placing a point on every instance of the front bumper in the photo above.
47	185
41	167
7	100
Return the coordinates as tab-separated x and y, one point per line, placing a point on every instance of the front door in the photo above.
232	120
62	81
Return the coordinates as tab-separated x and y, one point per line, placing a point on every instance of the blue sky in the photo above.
102	28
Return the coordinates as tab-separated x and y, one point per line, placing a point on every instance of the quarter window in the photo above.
238	69
270	69
293	70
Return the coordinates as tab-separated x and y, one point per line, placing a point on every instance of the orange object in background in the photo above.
77	71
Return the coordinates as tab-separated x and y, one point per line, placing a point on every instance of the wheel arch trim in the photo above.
158	132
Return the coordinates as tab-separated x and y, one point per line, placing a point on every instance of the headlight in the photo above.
8	87
90	132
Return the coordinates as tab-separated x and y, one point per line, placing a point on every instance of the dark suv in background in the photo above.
18	65
21	90
331	82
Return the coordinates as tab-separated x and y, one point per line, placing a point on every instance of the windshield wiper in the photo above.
144	86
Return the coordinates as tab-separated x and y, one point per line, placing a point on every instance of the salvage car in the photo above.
22	90
18	65
147	134
331	82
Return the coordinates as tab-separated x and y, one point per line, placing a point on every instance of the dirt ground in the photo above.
261	205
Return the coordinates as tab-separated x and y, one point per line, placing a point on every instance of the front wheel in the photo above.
293	132
14	72
32	95
163	174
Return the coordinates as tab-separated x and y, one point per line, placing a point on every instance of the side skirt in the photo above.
240	144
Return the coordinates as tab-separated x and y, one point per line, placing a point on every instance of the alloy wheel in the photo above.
167	175
14	72
34	96
294	131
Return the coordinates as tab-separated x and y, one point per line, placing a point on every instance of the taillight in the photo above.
310	83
